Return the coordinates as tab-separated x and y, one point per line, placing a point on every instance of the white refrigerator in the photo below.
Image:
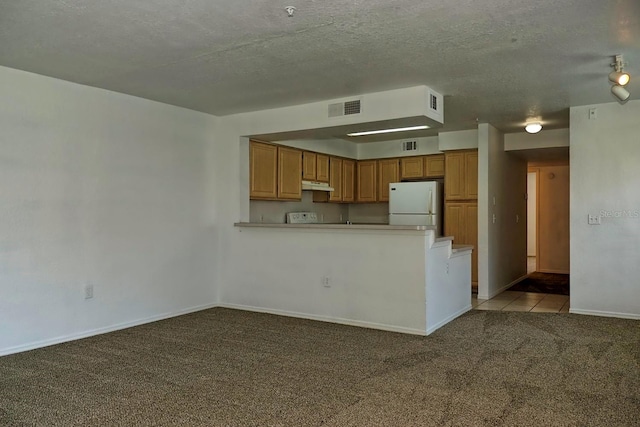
416	203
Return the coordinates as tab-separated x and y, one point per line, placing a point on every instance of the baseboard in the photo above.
329	319
552	271
502	289
632	316
448	319
99	331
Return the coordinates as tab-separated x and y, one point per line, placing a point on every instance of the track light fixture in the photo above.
620	78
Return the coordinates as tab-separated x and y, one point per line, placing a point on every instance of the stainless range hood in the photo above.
316	186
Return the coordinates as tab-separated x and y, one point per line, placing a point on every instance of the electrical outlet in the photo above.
326	281
88	292
594	220
447	268
593	114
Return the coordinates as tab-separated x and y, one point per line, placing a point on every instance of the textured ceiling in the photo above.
497	61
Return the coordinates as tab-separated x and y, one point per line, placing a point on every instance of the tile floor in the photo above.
524	301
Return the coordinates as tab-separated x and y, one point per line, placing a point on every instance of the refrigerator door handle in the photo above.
430	206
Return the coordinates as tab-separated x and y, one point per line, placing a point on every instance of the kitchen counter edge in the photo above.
339	226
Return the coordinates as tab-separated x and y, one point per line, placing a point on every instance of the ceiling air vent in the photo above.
345	108
435	102
409	145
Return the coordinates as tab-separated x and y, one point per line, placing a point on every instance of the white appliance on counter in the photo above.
302	218
416	203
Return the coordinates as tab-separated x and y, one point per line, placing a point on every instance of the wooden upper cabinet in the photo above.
289	173
322	168
434	166
422	167
461	175
366	181
335	179
411	167
471	174
348	180
263	171
388	172
309	161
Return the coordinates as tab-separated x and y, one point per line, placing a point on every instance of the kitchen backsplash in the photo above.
274	212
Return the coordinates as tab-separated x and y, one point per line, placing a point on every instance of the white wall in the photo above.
335	147
458	140
393	148
546	139
502	186
104	189
604	156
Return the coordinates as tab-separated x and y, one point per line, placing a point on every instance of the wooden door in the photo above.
309	166
434	166
411	167
289	173
366	182
335	179
388	172
348	180
263	171
322	168
471	175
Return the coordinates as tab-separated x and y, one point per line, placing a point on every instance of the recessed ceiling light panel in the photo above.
379	131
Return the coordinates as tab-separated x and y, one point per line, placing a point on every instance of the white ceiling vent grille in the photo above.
435	102
345	108
409	145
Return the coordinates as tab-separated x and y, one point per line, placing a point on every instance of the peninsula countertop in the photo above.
342	226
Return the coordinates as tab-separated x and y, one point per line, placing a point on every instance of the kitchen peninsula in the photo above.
397	278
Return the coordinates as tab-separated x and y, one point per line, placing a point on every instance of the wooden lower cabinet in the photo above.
461	222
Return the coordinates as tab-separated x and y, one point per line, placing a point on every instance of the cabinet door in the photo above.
263	171
309	166
411	167
335	179
471	237
434	166
366	181
454	218
471	174
348	180
454	188
388	172
289	173
322	168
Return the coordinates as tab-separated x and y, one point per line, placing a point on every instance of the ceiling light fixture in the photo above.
376	132
620	78
621	93
290	11
533	127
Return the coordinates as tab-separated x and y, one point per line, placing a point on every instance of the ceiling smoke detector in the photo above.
290	10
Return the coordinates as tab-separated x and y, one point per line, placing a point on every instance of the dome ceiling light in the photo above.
534	127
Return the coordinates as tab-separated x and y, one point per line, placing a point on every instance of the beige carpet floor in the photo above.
223	367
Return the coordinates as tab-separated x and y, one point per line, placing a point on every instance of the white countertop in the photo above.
339	226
